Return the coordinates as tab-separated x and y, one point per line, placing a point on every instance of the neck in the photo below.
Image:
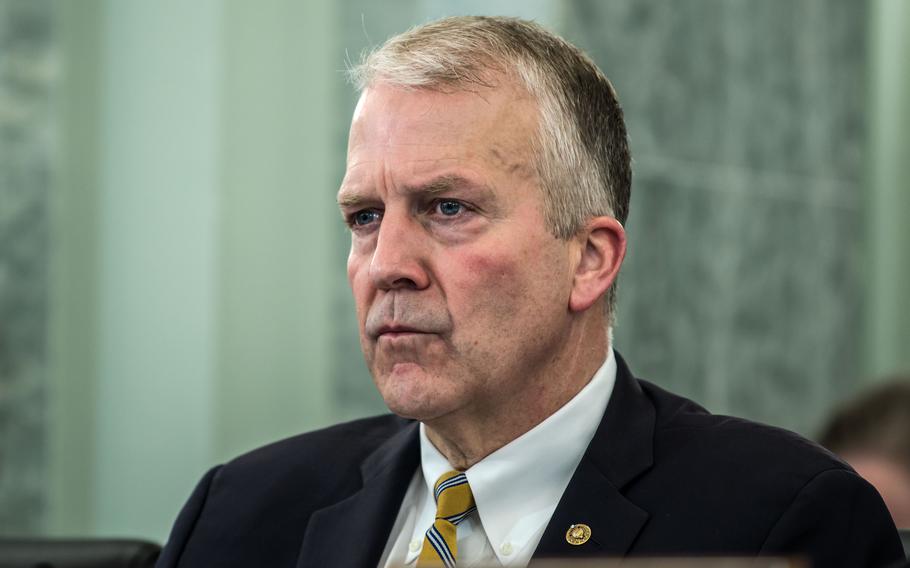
465	438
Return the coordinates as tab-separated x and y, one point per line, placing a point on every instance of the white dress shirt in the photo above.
516	488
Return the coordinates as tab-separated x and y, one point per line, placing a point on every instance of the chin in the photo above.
415	405
422	411
413	395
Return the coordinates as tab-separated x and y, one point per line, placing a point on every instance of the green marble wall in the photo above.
742	284
27	84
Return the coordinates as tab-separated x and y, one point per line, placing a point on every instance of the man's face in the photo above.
462	293
891	481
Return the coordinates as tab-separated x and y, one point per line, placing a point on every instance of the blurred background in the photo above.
172	287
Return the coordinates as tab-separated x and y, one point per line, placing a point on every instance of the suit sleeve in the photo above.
837	519
186	521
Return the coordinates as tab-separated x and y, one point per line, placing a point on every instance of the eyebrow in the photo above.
435	186
445	183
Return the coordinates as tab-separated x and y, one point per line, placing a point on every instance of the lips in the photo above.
393	330
397	315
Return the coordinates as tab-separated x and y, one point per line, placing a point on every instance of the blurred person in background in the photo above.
488	179
872	433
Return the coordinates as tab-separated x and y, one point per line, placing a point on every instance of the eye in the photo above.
364	217
450	208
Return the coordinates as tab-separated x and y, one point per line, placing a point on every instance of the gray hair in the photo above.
582	153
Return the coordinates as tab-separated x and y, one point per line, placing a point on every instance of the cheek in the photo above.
353	266
511	288
489	268
490	286
358	280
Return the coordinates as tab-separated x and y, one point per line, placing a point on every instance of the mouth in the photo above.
393	331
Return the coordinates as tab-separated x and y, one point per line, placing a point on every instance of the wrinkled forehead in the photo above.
501	121
406	137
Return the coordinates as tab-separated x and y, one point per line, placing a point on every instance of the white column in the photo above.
218	172
160	105
888	267
280	173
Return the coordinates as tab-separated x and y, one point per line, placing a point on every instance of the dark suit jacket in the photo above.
661	477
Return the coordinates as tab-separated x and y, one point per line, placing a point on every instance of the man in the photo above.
487	181
872	433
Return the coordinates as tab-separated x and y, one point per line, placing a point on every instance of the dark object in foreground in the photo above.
711	562
77	553
666	562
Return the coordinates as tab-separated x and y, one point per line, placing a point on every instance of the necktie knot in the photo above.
454	502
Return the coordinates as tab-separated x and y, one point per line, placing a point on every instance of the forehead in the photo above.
422	129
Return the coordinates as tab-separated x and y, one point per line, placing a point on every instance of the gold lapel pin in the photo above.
578	534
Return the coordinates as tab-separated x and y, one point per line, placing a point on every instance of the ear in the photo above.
602	244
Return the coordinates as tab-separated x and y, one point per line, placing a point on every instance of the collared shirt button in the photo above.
506	548
414	546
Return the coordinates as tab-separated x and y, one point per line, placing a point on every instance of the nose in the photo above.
399	255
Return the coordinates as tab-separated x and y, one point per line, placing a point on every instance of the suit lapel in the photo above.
353	532
620	451
614	520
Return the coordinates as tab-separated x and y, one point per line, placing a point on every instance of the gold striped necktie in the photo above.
454	502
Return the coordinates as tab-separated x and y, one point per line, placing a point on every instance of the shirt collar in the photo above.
518	486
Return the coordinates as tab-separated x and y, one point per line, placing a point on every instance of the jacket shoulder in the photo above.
684	427
733	486
746	487
340	444
254	509
311	469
